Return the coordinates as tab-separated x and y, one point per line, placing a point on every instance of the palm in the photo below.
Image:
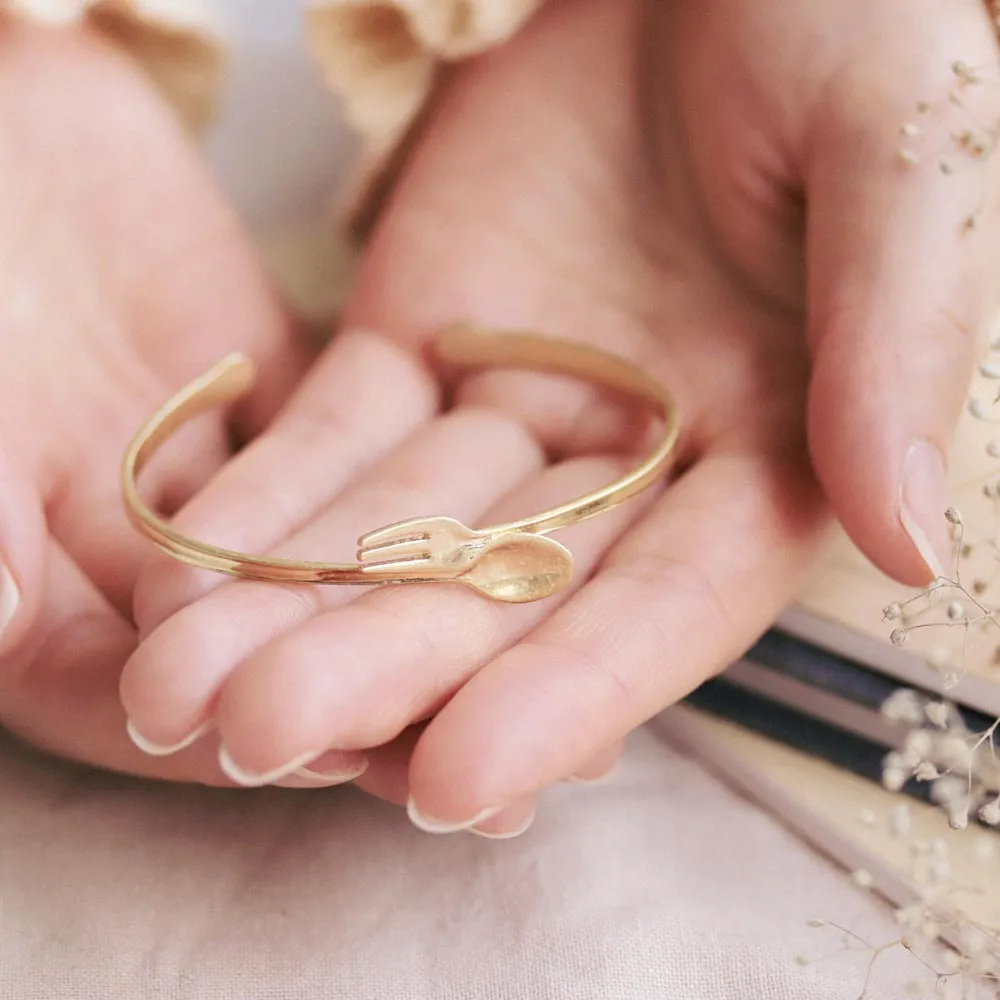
122	277
558	188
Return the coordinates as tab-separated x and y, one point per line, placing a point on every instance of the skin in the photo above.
713	190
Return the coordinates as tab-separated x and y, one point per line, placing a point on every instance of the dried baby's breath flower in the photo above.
953	515
892	612
926	771
955	611
904	706
893	778
910	129
937	713
900	820
863	878
939	658
814	922
990	813
898	636
958	819
909	156
947	790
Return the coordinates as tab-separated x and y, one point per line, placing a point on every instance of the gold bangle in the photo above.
508	562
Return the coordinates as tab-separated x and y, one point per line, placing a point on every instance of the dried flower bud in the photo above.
939	658
956	611
958	819
898	636
937	713
904	705
900	820
990	813
813	922
909	129
919	743
953	516
863	878
866	817
891	612
939	871
909	156
948	790
893	778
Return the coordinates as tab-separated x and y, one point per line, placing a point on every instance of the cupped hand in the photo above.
122	275
714	190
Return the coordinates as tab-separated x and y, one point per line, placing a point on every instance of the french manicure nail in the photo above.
335	766
147	746
431	825
506	834
351	765
597	779
10	596
923	499
249	779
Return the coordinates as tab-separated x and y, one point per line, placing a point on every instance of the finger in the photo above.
59	688
460	463
387	778
329	435
900	288
430	640
682	595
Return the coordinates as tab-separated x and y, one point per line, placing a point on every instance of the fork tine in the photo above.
413	528
397	565
404	546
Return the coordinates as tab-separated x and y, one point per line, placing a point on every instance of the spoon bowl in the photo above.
519	568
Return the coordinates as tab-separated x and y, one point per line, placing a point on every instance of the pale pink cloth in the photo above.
661	885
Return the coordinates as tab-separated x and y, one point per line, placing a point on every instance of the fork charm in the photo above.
513	562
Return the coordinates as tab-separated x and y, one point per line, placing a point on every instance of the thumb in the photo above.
899	287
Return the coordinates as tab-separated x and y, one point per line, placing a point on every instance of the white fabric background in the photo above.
661	885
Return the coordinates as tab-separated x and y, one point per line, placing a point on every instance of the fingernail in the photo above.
515	831
335	766
147	746
431	825
595	779
923	499
353	764
10	597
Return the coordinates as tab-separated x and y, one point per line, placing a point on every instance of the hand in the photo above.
121	276
713	189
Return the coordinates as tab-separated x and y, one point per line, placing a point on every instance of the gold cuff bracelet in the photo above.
507	562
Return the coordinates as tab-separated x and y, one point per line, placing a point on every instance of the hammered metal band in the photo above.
511	562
